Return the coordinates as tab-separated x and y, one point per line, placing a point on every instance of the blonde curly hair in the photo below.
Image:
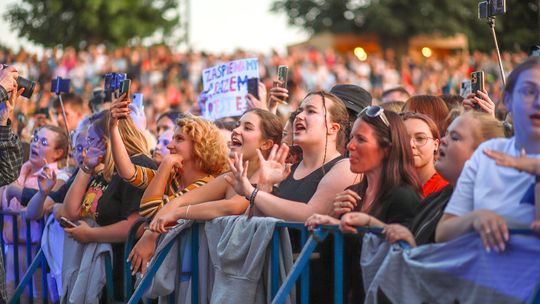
209	147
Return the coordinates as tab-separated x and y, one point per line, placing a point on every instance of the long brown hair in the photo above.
338	114
398	164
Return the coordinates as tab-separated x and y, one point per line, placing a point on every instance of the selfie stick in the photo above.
491	22
65	122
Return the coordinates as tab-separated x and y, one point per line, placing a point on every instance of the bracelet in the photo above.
86	169
252	197
369	221
187	210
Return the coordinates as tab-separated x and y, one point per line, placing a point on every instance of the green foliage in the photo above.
72	22
401	19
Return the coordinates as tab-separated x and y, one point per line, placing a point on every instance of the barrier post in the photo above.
338	267
304	277
274	281
16	248
109	278
29	260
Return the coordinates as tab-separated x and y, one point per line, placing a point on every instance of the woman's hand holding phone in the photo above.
480	102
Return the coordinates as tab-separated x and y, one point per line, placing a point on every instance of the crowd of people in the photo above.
346	142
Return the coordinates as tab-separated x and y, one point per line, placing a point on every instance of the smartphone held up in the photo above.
283	70
477	84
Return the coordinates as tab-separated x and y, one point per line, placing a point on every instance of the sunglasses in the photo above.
373	112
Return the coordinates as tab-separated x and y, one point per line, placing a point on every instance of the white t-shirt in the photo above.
485	185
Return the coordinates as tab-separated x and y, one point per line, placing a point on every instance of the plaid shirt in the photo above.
11	155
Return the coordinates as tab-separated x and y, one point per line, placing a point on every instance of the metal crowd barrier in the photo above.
279	291
37	262
28	248
301	266
158	260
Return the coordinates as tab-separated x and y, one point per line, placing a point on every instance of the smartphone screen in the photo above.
253	87
283	70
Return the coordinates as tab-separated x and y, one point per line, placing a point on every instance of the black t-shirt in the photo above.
120	199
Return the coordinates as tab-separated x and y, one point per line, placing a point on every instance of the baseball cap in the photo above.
354	97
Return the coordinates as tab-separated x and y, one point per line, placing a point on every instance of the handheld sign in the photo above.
226	86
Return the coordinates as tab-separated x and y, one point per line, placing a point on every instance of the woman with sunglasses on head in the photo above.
490	199
425	142
390	191
463	136
99	200
319	128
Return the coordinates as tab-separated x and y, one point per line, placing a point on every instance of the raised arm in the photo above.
71	208
337	179
122	162
46	181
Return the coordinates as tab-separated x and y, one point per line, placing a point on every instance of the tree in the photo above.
395	21
76	22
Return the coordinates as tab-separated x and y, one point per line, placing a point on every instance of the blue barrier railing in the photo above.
158	260
302	262
304	280
28	250
130	242
40	261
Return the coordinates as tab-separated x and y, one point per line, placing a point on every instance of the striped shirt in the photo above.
151	205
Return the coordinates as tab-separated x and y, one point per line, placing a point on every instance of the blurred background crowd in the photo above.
172	80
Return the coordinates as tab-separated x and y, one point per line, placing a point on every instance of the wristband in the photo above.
252	197
537	179
86	169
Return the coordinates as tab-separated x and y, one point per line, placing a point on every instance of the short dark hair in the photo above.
173	115
399	89
74	100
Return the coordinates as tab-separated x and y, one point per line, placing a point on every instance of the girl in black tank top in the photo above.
301	190
319	128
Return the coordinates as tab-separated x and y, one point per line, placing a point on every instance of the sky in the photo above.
217	26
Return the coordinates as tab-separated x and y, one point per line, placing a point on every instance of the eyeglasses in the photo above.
420	140
529	93
44	142
373	112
